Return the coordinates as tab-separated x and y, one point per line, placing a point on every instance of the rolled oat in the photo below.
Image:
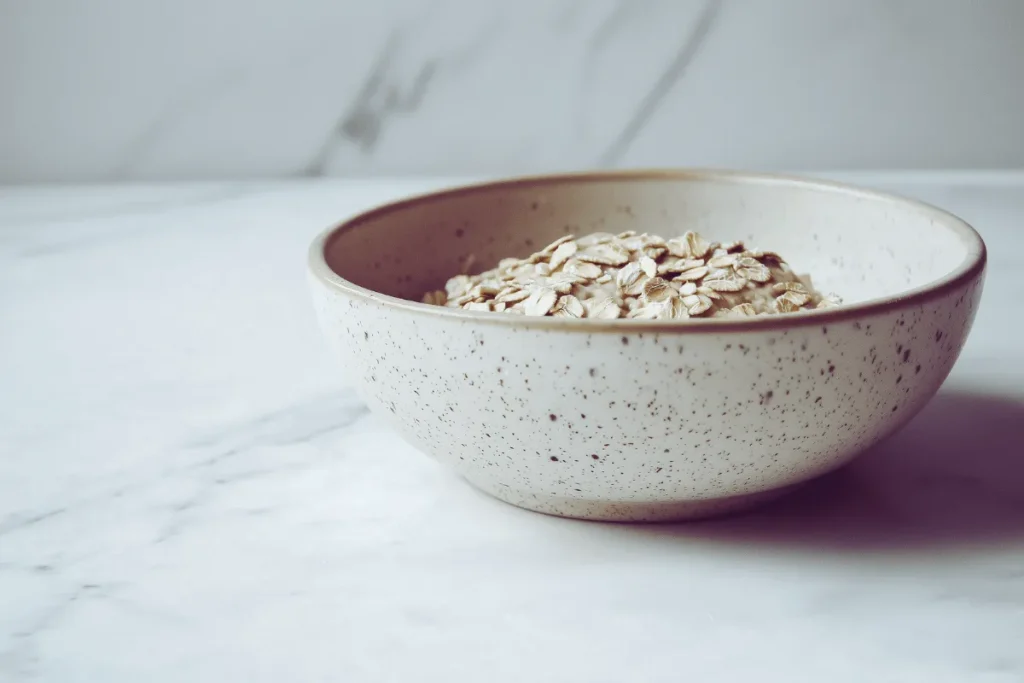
637	276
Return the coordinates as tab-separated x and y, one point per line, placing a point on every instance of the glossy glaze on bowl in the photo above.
629	421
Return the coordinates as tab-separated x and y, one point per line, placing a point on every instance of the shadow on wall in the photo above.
954	476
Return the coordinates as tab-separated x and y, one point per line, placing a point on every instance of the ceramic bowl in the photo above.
638	420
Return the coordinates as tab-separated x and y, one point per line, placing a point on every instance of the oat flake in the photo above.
638	276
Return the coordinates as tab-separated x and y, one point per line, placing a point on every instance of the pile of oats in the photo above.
636	276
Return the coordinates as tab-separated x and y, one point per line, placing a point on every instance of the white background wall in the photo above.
154	89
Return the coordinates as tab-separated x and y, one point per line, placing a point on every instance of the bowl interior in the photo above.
858	244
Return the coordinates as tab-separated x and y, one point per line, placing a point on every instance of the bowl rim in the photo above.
969	268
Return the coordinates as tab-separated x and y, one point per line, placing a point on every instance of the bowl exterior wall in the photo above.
639	423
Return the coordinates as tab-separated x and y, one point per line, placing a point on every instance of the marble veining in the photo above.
188	492
674	71
460	86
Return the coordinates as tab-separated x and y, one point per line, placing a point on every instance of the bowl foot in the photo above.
628	511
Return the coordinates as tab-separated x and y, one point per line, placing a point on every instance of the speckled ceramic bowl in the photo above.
642	421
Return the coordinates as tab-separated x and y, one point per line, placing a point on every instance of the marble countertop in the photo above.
189	493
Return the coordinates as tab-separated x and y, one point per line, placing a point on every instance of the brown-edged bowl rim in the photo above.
970	268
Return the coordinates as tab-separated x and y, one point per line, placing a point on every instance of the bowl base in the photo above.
627	511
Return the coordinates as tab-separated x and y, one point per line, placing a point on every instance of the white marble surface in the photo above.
188	493
110	89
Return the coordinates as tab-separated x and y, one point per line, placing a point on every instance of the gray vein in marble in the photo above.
38	568
672	74
182	517
599	38
138	149
21	520
610	26
301	423
363	124
376	100
52	615
18	656
380	98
